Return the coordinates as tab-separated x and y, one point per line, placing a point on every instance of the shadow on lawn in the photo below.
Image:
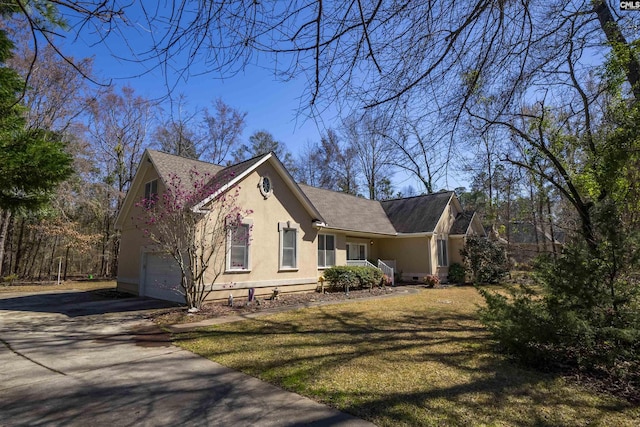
485	388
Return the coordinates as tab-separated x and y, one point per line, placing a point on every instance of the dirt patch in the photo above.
220	309
151	336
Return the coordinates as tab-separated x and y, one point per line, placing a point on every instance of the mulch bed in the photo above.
219	309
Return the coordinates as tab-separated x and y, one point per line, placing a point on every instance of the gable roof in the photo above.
462	222
347	212
330	209
419	214
169	164
231	175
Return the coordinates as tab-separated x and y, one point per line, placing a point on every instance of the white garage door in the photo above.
162	278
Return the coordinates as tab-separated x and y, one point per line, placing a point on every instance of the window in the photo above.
326	250
356	251
266	188
288	245
442	252
238	257
151	190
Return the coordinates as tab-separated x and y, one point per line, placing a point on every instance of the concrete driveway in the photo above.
67	358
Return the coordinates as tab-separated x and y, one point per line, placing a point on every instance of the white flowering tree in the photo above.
196	238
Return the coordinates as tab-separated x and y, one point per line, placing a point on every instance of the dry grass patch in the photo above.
414	360
52	286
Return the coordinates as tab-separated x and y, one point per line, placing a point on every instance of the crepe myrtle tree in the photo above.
194	236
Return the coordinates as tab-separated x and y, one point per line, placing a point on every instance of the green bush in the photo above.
457	273
355	277
485	260
582	318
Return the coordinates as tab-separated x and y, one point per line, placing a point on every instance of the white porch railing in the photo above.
387	270
382	265
360	263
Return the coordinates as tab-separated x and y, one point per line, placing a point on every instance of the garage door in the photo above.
162	278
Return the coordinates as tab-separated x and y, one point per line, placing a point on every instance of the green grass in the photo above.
413	360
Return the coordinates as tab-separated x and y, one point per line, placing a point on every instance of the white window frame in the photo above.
357	245
324	237
288	226
442	249
246	222
149	189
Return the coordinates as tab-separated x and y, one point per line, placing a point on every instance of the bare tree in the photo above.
374	151
118	126
178	134
419	152
195	236
328	164
223	129
350	49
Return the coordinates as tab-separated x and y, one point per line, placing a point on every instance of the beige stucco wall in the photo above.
264	274
411	255
132	241
455	246
264	248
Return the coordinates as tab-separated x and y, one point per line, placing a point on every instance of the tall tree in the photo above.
32	161
118	127
177	134
329	165
223	128
262	142
375	153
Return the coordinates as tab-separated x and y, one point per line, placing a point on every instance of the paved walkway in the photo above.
66	359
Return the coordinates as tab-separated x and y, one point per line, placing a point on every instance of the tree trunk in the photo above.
4	228
620	46
19	248
66	263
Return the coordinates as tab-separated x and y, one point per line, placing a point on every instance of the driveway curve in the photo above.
70	358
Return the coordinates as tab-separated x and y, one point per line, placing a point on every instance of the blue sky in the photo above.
271	104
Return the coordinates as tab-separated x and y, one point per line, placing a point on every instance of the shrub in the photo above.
353	276
8	280
431	280
457	273
585	318
485	260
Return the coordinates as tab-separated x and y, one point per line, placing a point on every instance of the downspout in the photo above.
430	253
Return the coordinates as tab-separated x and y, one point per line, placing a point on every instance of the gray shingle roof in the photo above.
228	173
344	211
462	222
339	210
418	214
168	165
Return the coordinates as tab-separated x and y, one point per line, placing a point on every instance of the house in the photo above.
296	231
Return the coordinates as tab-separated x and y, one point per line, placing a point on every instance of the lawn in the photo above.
412	360
52	286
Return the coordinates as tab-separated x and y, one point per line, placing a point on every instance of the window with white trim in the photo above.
356	251
326	250
238	255
442	252
151	190
288	245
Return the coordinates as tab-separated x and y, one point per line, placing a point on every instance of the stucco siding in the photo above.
264	247
411	255
132	240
